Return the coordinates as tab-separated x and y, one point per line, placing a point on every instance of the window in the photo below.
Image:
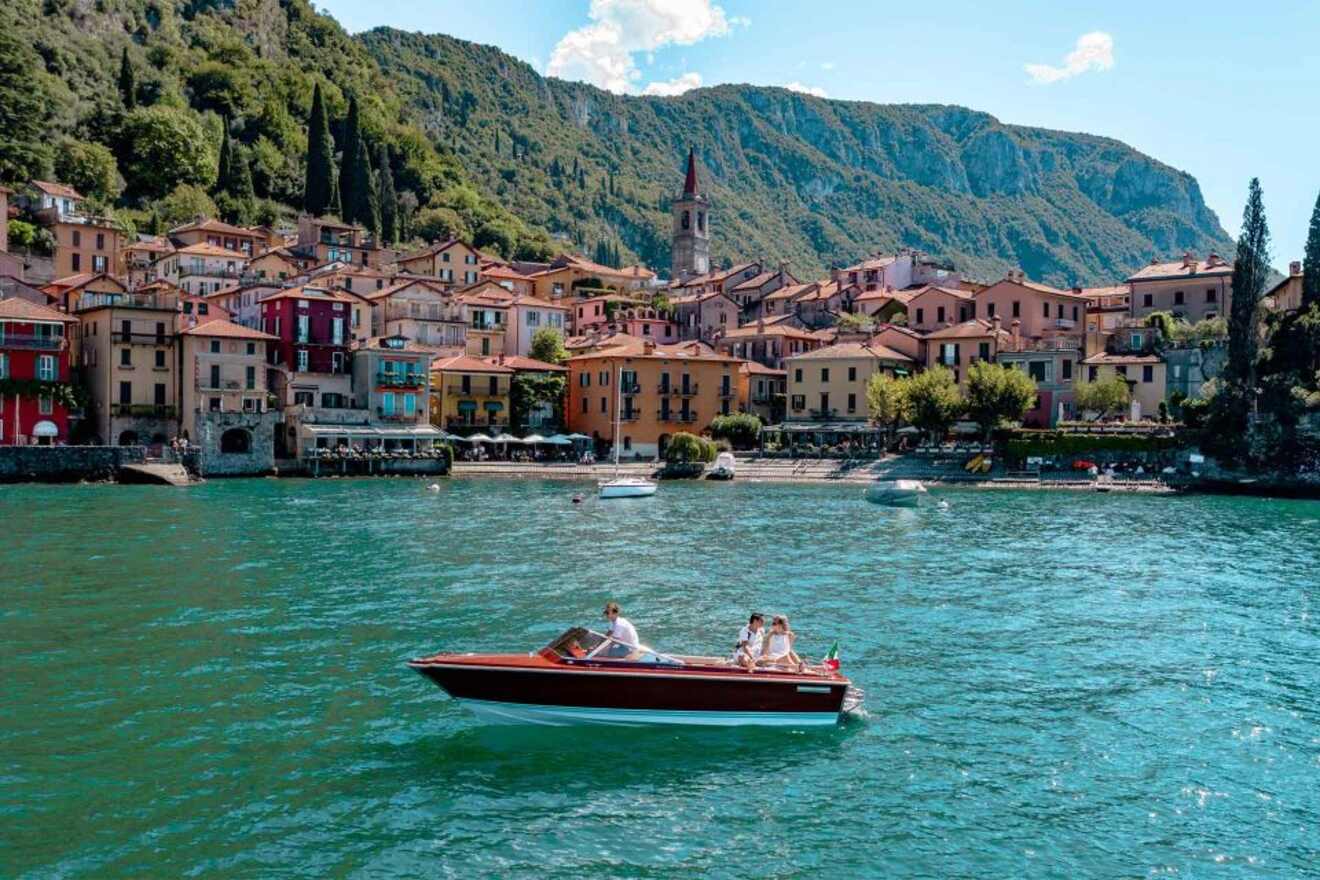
584	380
799	401
797	374
1017	309
302	360
701	221
824	374
494	385
824	402
921	316
387	403
303	398
99	264
1091	373
1147	373
687	220
214	404
160	332
100	241
1147	300
251	348
1038	370
75	262
46	368
603	404
1210	295
125	393
949	353
77	238
1177	297
983	351
160	358
939	315
584	406
533	319
852	403
251	378
215	376
160	394
1074	317
1121	370
45	405
125	357
1047	310
1136	341
303	325
215	346
990	310
4	366
1067	370
465	384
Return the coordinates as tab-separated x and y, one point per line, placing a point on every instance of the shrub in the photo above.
739	430
685	448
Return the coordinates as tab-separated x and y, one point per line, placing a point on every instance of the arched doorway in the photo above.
236	441
128	438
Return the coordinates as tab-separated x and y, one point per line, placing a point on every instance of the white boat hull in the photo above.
627	489
897	493
566	716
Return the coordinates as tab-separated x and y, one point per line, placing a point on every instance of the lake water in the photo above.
209	682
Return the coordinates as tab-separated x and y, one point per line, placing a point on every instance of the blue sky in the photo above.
1170	79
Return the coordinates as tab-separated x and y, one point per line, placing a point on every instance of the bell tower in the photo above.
690	239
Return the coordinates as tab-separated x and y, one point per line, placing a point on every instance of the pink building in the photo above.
934	308
1043	310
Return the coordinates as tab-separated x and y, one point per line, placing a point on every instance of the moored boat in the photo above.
897	493
724	467
573	680
627	487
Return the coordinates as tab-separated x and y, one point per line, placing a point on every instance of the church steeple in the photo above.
690	239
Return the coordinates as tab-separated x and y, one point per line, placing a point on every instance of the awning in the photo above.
493	406
45	428
825	428
373	432
557	440
467	406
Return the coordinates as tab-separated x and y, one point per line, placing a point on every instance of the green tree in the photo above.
319	184
1106	397
127	81
1311	261
183	204
933	400
224	170
855	323
25	111
742	430
364	207
89	168
239	203
997	395
499	234
348	170
685	448
548	346
887	402
166	147
530	391
1251	270
439	224
389	199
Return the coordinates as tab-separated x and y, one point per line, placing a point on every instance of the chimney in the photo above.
648	347
500	359
1017	334
1077	290
1295	268
1189	260
996	324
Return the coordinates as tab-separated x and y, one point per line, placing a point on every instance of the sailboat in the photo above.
623	487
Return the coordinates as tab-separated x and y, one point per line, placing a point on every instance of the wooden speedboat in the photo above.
573	680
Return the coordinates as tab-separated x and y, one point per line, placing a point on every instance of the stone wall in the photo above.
65	464
209	434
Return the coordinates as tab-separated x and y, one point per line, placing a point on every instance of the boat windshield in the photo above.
584	644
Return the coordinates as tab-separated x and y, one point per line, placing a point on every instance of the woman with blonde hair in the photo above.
778	649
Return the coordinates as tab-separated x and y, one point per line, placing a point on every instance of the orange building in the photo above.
663	389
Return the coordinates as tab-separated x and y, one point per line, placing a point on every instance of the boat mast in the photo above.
618	402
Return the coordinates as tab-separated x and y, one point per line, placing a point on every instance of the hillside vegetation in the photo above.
480	145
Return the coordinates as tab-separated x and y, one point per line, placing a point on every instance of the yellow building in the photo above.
470	395
1144	374
830	383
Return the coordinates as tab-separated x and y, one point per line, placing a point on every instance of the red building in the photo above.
312	325
34	358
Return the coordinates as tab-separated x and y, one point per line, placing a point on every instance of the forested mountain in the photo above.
130	100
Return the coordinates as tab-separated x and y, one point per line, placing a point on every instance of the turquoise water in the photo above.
209	682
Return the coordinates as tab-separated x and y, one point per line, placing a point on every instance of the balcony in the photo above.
142	411
141	338
396	417
726	393
630	415
478	422
400	380
458	390
166	302
823	414
30	341
689	390
319	339
680	416
630	388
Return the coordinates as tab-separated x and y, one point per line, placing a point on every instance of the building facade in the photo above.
224	397
470	395
829	384
690	236
35	362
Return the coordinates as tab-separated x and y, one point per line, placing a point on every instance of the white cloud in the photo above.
827	65
795	86
1094	51
602	52
684	83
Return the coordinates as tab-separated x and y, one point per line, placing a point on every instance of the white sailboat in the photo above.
623	487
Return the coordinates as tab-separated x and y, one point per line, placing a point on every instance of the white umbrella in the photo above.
477	438
533	438
578	437
557	440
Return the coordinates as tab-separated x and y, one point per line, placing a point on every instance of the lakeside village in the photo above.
280	350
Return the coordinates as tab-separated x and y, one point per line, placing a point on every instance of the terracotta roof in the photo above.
1121	359
539	303
951	291
465	363
903	296
636	348
211	250
637	271
392	289
21	309
753	368
227	330
824	290
973	328
792	291
591	341
906	331
308	292
435	248
210	224
755	281
503	272
872	263
82	279
754	330
854	349
518	362
59	190
1100	292
1184	268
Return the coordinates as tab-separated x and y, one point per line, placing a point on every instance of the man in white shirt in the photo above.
750	642
622	633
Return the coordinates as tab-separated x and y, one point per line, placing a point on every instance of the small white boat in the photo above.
897	493
627	487
724	467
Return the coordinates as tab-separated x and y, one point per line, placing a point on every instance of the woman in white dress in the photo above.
778	650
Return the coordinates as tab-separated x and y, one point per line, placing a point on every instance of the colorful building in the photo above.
660	390
829	383
486	311
763	392
1189	288
1053	367
326	240
768	344
1042	311
34	364
453	262
224	397
423	311
470	394
202	269
218	234
962	345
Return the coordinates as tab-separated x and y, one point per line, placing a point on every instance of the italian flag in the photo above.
831	661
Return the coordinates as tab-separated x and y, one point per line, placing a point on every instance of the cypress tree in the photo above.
497	142
127	81
358	182
1250	271
242	197
1311	262
155	225
224	179
389	199
348	200
319	186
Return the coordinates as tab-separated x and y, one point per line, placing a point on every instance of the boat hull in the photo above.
633	695
897	493
628	490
